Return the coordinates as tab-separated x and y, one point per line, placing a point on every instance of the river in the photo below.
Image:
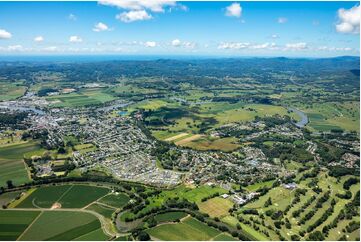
304	119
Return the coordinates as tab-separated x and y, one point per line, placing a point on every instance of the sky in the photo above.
162	27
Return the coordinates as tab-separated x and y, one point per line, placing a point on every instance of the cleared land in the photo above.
216	207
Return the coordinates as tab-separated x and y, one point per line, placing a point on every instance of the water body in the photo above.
304	118
122	113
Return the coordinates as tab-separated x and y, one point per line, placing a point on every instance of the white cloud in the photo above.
72	17
131	16
327	48
184	44
349	20
233	45
234	10
176	42
296	46
15	48
282	20
39	39
150	44
4	34
50	48
274	36
100	27
75	39
152	5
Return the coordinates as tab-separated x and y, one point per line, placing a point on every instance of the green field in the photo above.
12	166
115	200
5	198
170	216
61	225
189	229
11	90
69	196
216	207
101	209
14	223
224	237
96	235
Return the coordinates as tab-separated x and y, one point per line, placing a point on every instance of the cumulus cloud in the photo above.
331	48
150	44
152	5
274	36
282	20
176	42
233	45
184	44
100	27
234	10
131	16
50	48
75	39
39	39
4	34
15	47
349	20
296	46
72	17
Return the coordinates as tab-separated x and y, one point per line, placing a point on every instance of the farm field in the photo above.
12	166
69	196
101	209
14	223
216	207
61	225
188	229
11	90
115	200
169	216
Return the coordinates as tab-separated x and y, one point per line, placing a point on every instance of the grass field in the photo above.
223	144
115	200
69	196
224	237
101	209
11	90
216	207
5	198
189	229
96	235
56	225
191	194
12	166
14	223
169	217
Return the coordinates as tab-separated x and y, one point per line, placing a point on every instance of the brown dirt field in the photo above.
189	139
176	137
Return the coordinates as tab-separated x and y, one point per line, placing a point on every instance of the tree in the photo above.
143	236
316	236
10	184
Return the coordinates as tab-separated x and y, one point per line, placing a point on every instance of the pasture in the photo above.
11	90
216	207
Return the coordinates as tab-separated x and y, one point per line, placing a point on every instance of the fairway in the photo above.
216	207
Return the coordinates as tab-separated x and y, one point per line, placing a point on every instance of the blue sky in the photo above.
141	27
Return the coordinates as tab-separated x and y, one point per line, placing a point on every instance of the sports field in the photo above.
216	207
